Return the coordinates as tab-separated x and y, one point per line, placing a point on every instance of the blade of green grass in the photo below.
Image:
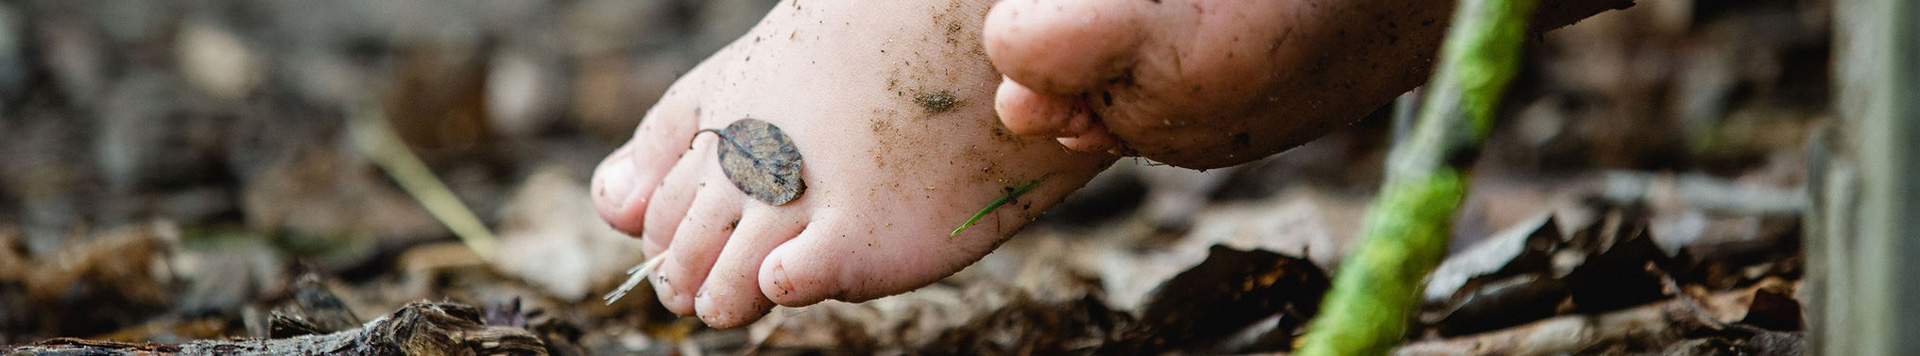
996	204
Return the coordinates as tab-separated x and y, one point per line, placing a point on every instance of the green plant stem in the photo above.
1376	291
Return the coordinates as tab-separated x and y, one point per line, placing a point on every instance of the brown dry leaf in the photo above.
761	161
1206	306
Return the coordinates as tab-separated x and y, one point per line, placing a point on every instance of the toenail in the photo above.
715	318
616	183
780	280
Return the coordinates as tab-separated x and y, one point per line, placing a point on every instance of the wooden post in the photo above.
1863	234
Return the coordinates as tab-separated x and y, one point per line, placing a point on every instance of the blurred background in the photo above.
170	169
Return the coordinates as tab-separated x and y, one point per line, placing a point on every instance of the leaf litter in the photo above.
1571	129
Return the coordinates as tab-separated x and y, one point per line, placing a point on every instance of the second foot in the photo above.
1207	83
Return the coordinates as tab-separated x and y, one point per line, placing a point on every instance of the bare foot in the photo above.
1206	83
890	104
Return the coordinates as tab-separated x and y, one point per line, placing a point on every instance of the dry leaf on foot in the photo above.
761	160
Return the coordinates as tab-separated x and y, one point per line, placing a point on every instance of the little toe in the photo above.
1066	46
613	193
733	296
794	273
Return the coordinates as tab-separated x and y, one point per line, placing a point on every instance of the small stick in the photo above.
634	276
996	204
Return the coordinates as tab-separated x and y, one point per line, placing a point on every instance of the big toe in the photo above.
613	193
624	184
1064	47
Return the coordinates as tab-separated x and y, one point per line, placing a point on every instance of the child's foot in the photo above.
1205	84
891	107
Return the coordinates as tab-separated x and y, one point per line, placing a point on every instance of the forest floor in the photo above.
181	175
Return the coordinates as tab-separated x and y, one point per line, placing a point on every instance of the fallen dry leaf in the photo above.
760	160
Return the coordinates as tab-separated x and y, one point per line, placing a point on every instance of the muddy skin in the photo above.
935	103
1239	93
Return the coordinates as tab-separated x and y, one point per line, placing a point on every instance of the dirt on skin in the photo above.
936	102
931	88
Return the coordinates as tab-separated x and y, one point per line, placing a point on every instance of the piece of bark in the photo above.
419	329
313	310
1643	328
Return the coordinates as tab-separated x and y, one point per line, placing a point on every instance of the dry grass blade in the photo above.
374	136
634	276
